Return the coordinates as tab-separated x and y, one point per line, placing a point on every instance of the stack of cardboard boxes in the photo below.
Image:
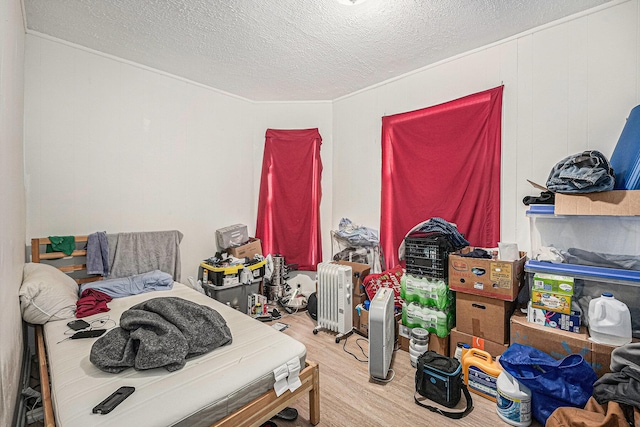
486	290
360	319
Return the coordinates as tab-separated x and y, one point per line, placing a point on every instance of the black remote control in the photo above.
88	334
114	400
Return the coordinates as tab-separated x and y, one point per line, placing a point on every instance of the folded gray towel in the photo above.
98	254
160	332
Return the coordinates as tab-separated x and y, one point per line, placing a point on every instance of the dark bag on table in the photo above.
439	378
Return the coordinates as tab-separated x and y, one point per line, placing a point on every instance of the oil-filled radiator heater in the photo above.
335	312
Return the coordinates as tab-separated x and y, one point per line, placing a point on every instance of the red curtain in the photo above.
443	161
290	192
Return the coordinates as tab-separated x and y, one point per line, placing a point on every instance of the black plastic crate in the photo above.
428	255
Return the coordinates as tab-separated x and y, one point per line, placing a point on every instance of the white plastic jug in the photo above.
609	321
513	402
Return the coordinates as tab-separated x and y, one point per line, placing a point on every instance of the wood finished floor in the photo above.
348	397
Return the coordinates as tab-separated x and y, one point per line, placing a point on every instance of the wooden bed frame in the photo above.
253	413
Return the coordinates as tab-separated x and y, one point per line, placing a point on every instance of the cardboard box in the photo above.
493	348
551	301
552	319
601	358
363	326
403	330
359	272
559	344
437	344
553	283
555	342
355	301
487	318
486	277
232	235
404	335
614	203
403	342
248	250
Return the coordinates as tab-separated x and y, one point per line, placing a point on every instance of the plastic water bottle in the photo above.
513	402
609	321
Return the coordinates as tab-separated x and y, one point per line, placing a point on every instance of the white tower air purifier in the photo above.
381	333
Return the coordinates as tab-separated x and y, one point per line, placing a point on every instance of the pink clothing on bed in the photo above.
92	302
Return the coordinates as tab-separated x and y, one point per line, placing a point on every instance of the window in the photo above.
443	161
290	192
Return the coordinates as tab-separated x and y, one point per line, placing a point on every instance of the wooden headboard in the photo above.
73	265
76	268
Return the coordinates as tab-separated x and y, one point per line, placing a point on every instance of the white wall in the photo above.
114	146
12	208
568	87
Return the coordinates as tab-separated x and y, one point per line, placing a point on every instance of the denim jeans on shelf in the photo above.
586	172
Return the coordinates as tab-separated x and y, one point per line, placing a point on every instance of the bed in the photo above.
230	386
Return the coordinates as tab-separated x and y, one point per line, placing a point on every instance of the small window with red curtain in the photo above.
443	162
290	192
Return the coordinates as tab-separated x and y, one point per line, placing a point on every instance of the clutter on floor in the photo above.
572	304
500	313
357	244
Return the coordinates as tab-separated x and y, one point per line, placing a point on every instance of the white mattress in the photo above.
206	389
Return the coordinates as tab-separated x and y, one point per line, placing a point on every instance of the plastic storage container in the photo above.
224	276
233	295
592	282
225	285
625	159
619	235
427	255
609	321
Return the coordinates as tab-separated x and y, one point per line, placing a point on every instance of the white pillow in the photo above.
47	294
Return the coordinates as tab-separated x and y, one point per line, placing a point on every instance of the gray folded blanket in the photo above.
160	332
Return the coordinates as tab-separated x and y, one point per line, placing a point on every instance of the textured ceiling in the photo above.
272	50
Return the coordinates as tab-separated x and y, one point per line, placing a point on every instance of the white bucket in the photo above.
609	321
513	403
416	352
414	360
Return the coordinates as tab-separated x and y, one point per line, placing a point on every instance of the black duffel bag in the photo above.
439	378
